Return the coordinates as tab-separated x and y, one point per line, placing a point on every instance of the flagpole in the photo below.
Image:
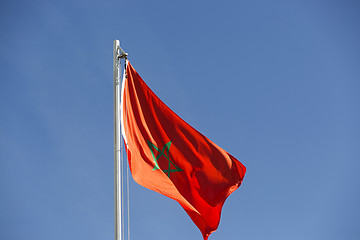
118	54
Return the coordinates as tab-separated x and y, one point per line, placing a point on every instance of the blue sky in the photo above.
275	83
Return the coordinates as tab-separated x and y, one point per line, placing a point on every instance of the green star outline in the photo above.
166	155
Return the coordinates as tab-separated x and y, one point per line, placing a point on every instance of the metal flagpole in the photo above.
118	54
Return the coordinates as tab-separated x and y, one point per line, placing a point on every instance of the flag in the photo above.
169	156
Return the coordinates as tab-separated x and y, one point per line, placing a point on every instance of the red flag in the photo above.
169	156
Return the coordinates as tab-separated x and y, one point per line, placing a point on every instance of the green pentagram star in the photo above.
164	152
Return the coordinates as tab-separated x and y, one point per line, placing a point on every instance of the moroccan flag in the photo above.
169	156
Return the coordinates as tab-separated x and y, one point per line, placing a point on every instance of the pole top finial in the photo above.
119	51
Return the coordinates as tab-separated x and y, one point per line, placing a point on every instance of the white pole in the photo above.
117	141
118	54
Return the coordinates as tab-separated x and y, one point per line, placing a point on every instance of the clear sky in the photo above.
274	83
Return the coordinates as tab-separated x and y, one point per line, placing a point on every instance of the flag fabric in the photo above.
169	156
